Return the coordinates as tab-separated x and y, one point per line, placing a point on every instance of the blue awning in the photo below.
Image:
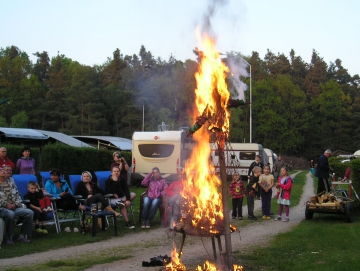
22	133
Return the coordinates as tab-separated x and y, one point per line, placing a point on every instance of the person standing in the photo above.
237	192
279	163
284	184
121	163
26	164
312	166
266	182
4	159
252	190
323	171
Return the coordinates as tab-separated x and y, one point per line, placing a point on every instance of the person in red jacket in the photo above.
173	193
285	184
4	159
237	192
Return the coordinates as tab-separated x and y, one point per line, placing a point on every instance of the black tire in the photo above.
308	214
348	212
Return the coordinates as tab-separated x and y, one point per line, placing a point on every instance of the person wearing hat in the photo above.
322	172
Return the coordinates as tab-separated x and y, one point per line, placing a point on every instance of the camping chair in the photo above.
45	176
21	181
63	216
164	213
101	177
74	182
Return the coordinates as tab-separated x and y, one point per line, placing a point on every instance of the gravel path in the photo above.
195	252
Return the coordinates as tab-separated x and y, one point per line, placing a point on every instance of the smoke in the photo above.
206	24
237	66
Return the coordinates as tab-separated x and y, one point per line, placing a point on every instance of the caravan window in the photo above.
247	155
156	150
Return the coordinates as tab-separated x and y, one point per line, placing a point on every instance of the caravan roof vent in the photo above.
163	127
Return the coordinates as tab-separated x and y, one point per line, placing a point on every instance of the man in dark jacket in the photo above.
322	172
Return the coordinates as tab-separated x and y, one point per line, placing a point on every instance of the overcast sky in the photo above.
88	31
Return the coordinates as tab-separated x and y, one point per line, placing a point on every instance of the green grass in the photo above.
324	243
40	242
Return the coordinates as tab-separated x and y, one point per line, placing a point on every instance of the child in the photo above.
237	192
285	184
35	196
266	182
251	191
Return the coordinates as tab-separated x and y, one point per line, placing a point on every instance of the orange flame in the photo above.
175	264
201	189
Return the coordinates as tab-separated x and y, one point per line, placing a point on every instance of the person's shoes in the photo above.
44	231
233	217
76	230
67	229
251	217
128	225
24	239
240	218
147	224
120	204
268	218
264	217
278	218
39	230
286	219
9	241
143	225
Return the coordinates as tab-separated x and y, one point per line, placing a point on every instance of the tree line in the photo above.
298	108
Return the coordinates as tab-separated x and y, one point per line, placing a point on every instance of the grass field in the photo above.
326	242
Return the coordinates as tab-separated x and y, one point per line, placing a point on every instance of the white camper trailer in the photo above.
239	156
167	150
271	158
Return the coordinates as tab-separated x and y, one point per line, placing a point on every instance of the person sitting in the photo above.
60	189
26	164
174	199
92	193
34	196
122	196
11	206
156	190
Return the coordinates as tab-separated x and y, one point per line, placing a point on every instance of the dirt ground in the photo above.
195	252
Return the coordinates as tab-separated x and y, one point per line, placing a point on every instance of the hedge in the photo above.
67	159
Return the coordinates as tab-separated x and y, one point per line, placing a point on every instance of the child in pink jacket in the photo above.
285	184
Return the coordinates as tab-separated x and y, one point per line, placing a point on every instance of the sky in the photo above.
89	31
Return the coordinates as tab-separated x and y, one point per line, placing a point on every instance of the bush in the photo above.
68	159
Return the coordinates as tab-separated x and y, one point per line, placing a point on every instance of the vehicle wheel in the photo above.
308	214
348	212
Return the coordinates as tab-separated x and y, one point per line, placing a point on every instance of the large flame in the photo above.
203	205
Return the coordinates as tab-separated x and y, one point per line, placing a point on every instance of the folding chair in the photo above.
101	177
164	213
21	181
63	216
45	176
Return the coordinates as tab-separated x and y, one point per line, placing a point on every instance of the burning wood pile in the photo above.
324	200
204	193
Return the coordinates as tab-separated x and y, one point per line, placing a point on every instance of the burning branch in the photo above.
207	115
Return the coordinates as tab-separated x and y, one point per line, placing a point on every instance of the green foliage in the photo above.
19	120
298	108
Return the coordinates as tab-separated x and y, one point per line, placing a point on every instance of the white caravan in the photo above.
271	158
239	156
167	150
